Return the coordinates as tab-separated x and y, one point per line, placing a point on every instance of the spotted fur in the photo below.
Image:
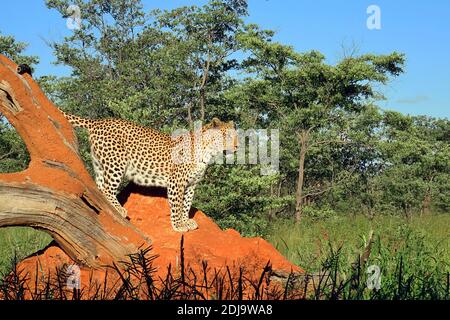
122	149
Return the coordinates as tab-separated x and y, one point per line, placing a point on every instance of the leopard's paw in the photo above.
191	224
181	227
123	212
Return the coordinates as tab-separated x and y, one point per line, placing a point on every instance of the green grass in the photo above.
19	241
308	242
414	255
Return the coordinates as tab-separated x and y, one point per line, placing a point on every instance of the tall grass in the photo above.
136	279
413	256
19	242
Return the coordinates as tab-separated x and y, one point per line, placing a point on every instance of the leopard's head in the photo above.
220	137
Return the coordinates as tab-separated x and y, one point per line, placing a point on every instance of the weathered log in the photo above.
55	193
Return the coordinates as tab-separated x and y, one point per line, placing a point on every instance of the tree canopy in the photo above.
339	153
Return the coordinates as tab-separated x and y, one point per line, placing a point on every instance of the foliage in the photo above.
166	69
225	201
14	50
169	68
413	256
19	242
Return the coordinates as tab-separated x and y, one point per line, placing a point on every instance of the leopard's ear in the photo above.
215	123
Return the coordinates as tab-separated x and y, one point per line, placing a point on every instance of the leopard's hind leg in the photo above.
112	180
108	175
98	170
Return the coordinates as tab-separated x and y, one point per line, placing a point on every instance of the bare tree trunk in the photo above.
202	104
303	141
370	202
189	110
407	211
55	193
426	203
203	86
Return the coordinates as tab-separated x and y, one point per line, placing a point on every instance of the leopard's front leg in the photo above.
188	196
175	193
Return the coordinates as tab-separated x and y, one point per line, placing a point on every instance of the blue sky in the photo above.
420	29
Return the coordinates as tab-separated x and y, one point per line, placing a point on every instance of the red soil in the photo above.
208	243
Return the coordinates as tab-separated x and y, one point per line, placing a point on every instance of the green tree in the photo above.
309	100
166	69
209	36
154	69
417	155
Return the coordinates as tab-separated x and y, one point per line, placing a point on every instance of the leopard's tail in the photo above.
78	121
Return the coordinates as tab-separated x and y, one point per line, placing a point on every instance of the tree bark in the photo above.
55	193
426	203
189	110
203	82
303	141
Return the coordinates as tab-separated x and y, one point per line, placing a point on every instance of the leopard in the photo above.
125	150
